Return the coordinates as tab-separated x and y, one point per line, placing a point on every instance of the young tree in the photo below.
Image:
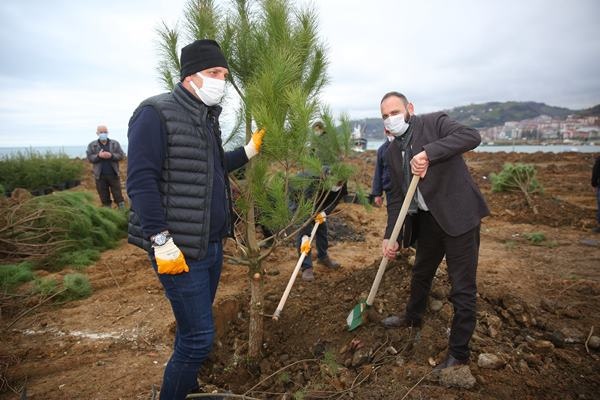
277	67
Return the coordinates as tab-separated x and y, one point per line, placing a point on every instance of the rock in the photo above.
439	292
557	338
571	312
490	361
533	359
399	361
542	347
435	305
360	357
446	312
523	367
594	342
459	377
572	335
548	305
284	358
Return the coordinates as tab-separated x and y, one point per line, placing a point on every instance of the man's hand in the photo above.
378	201
419	164
389	249
105	154
170	259
253	146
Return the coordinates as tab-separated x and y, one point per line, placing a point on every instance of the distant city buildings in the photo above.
545	128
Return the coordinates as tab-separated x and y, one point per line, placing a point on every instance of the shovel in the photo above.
304	249
357	316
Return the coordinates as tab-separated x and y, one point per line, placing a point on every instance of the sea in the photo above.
79	151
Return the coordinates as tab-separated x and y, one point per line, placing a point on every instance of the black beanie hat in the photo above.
200	55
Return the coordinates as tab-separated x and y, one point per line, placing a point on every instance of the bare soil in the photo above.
537	304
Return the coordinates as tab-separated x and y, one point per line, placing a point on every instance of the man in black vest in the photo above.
447	211
181	201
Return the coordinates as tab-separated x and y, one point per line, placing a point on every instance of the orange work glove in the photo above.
253	146
305	246
170	259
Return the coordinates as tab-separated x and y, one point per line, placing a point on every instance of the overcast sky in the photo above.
69	65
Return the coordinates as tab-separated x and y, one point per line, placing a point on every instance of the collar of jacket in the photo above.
193	104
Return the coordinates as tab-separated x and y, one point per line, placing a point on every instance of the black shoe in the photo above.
450	361
328	262
400	321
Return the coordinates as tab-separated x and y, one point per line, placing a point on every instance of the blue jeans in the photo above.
191	295
320	238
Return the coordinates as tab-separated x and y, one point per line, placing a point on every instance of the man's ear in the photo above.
411	108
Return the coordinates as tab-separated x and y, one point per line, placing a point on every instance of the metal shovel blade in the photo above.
357	316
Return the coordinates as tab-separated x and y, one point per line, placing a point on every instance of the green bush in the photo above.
45	286
78	258
13	275
65	228
535	237
514	177
32	170
517	177
77	286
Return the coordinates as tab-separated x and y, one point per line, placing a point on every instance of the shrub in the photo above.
13	275
77	286
45	286
78	258
32	170
52	229
535	237
517	177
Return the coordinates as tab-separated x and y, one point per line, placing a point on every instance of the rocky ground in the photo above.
536	337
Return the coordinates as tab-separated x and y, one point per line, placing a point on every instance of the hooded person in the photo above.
181	207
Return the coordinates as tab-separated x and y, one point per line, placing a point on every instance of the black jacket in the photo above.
448	189
596	173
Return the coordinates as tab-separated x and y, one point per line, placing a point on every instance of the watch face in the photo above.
160	239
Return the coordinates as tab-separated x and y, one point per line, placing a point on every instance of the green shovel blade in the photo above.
356	316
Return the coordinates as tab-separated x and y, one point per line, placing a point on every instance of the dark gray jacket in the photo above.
448	189
92	155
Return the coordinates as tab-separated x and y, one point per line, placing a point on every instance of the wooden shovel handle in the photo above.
320	219
399	222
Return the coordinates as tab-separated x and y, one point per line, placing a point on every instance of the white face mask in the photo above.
396	124
212	90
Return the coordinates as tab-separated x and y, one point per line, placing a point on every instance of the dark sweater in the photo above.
381	179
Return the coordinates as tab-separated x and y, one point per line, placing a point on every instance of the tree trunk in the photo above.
256	325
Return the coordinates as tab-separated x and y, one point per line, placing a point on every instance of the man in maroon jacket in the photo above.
446	210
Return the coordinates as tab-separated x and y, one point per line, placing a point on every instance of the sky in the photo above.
69	65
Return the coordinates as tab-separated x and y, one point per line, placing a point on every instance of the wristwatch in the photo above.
160	238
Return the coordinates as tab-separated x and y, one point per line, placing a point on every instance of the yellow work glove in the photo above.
253	146
321	217
170	259
305	246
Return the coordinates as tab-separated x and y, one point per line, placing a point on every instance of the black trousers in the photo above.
107	184
462	253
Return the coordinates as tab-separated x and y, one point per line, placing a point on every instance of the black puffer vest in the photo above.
187	172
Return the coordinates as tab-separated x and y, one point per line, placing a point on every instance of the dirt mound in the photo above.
321	358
